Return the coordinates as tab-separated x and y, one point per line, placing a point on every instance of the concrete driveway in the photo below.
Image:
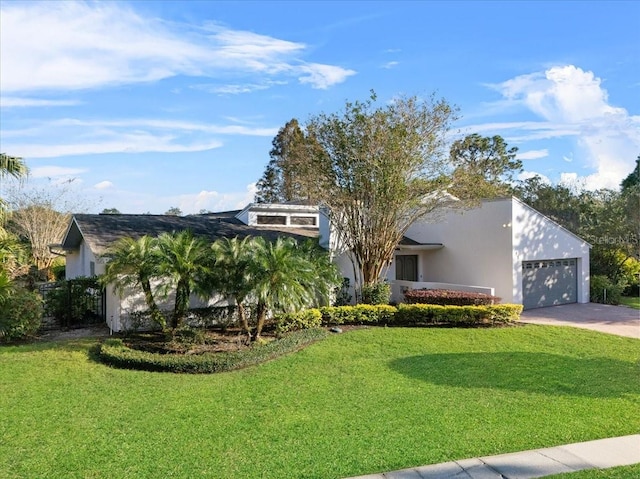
618	320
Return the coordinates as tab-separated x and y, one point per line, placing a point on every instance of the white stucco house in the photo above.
503	247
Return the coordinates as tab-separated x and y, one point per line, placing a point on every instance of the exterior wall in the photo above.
535	237
477	248
399	287
78	263
249	215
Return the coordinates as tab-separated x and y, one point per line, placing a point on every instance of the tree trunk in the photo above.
156	315
242	314
262	314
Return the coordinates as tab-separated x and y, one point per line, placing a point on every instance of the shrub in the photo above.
307	319
359	314
342	295
20	317
605	291
376	293
420	314
446	297
115	353
75	301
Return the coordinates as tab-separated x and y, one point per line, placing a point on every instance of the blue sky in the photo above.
148	105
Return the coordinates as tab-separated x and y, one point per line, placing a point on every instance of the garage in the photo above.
549	282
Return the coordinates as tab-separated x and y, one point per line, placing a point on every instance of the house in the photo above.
503	247
89	236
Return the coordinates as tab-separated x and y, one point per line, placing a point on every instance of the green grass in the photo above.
631	301
366	401
623	472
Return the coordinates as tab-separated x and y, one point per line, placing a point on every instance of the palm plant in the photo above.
10	166
135	263
232	273
187	260
284	279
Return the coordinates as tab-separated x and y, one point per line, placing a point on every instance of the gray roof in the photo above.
101	231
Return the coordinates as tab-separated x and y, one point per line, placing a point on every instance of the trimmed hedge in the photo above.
418	314
447	297
115	353
307	319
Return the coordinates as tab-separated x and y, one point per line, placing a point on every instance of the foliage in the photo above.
633	179
110	211
10	166
376	293
306	319
280	180
604	290
448	297
186	261
41	217
358	314
6	287
115	353
484	167
74	301
173	211
135	263
421	314
377	170
14	255
21	317
414	314
341	293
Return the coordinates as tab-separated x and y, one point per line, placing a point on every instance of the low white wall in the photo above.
399	287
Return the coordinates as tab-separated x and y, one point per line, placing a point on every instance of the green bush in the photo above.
307	319
377	293
420	314
359	314
600	284
75	301
21	316
116	353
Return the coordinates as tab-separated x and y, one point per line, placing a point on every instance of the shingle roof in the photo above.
101	231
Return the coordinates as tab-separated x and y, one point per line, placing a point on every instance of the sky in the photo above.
147	105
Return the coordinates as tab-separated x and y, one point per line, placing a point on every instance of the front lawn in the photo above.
365	401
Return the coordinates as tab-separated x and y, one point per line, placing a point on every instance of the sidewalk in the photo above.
600	454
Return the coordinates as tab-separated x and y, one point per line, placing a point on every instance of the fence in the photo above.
73	303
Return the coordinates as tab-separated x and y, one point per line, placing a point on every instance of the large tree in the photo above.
376	170
280	181
484	166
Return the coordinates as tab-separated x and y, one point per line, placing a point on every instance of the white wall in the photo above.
536	237
78	263
477	248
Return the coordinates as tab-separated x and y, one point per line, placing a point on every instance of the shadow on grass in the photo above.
541	373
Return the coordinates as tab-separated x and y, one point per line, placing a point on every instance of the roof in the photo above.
407	243
101	231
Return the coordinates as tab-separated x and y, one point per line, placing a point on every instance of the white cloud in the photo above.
390	65
574	103
103	185
323	76
78	45
533	154
214	200
12	102
54	171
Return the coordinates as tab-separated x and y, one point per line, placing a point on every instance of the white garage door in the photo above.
549	282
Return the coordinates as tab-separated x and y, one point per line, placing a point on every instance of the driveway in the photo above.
604	318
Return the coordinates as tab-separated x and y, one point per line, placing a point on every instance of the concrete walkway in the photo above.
604	318
600	454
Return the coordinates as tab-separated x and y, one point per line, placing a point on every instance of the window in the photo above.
271	220
407	267
92	268
303	220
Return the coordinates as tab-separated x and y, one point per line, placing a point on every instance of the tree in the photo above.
232	273
10	166
134	263
186	260
484	166
285	278
110	211
633	179
173	211
377	170
280	180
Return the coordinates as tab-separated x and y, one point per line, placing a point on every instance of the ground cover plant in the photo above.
622	472
369	400
632	302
